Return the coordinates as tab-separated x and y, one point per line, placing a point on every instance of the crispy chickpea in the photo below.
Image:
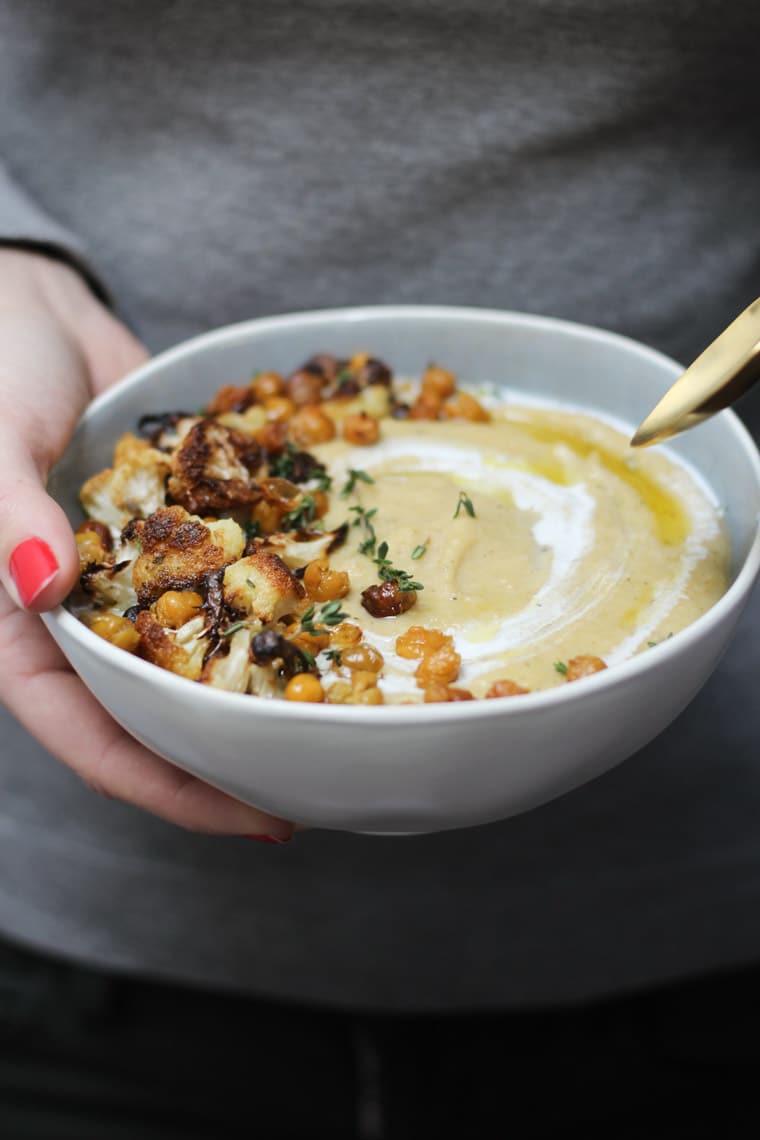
98	528
312	643
358	360
426	407
505	688
119	631
323	584
272	435
438	383
438	694
304	687
463	406
311	425
583	666
231	398
268	516
321	503
362	658
304	387
90	548
339	693
361	429
419	641
266	385
279	408
370	696
361	680
345	635
176	607
442	665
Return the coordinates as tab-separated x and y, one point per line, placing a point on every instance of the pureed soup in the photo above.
338	536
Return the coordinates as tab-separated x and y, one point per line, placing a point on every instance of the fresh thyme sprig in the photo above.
387	572
561	667
301	516
354	476
419	551
466	502
364	520
228	632
329	614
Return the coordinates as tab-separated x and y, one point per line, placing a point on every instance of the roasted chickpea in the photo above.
442	665
98	528
311	425
345	635
304	387
438	694
361	429
363	679
463	406
272	435
321	503
387	599
231	398
426	407
90	548
370	696
266	385
438	383
268	516
323	584
419	641
362	658
505	688
583	666
304	687
118	630
279	408
176	607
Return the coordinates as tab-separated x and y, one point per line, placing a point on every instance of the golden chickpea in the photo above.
361	429
438	383
438	694
231	398
90	549
426	407
362	658
268	516
505	688
463	406
583	666
442	665
304	687
279	408
345	635
272	435
304	387
358	360
120	631
418	641
266	385
371	696
323	584
361	680
321	503
311	425
175	607
98	528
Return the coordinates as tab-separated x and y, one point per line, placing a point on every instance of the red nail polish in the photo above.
33	566
267	838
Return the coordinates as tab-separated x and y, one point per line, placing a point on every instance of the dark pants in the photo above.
86	1056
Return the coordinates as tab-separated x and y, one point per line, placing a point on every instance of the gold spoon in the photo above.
721	374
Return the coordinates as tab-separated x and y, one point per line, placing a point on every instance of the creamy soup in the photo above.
337	536
575	544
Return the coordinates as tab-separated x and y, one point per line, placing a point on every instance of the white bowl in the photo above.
424	767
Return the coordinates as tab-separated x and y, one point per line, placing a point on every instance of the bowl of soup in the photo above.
396	569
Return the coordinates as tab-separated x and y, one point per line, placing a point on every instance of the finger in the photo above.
111	349
57	709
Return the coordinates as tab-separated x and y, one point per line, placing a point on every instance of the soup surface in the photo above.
338	536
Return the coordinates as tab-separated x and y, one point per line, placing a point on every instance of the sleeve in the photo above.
23	225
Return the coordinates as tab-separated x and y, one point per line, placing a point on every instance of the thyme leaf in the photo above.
466	502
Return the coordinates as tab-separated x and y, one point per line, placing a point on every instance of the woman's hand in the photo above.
58	348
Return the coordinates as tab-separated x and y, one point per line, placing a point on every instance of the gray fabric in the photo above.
590	160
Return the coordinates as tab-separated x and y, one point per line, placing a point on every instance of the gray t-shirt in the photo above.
588	159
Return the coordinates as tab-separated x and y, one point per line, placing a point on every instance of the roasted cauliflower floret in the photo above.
231	671
133	488
297	552
214	469
180	650
261	586
178	550
110	583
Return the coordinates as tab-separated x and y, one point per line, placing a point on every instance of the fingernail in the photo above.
33	567
268	838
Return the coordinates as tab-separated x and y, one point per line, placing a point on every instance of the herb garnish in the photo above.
250	583
466	502
419	551
333	655
387	572
233	628
354	475
364	519
329	614
251	529
302	515
561	667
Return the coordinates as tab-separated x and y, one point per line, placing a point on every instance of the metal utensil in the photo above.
721	374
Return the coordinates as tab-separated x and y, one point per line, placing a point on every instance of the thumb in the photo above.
39	562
